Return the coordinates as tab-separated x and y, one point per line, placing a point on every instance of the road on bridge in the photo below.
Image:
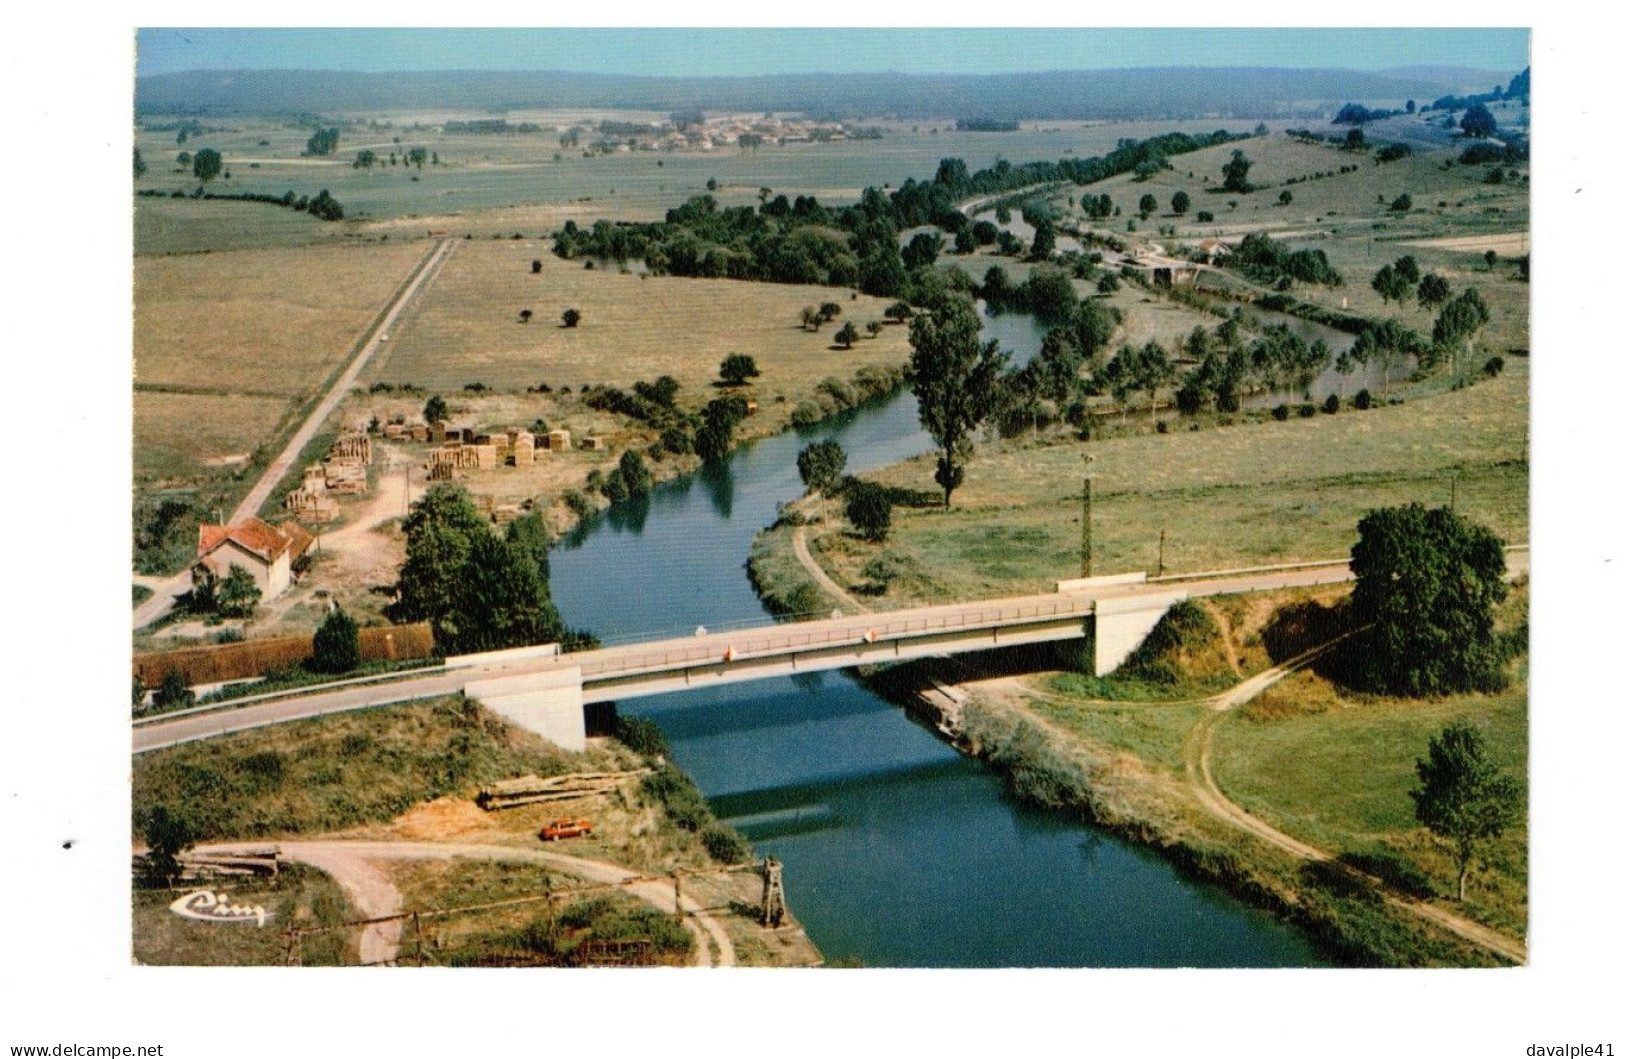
721	648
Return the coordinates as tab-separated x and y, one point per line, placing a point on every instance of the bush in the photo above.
725	844
1306	410
1281	412
684	804
1494	366
635	473
1362	400
173	693
1333	403
642	736
336	647
578	503
868	508
805	414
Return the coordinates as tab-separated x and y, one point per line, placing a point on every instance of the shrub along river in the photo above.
898	851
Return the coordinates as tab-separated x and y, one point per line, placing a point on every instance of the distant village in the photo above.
680	132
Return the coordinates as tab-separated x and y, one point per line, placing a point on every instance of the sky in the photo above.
744	52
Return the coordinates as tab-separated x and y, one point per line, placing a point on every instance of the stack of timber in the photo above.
531	790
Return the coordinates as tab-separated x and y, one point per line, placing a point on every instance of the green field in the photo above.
1244	495
1338	776
507	172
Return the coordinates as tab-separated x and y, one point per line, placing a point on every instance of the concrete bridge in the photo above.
545	692
548	696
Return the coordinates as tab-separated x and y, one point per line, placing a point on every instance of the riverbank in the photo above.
1138	757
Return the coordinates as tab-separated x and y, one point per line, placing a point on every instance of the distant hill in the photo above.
1184	92
1456	79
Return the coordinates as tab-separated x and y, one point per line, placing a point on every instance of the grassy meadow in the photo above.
1249	494
467	330
228	344
1335	770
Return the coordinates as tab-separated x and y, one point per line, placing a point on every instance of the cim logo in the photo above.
206	906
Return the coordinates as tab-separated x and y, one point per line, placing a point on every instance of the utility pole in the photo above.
1162	539
1086	543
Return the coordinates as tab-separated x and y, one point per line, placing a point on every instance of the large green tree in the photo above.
738	368
237	594
1235	172
499	600
168	835
1425	590
206	164
955	376
440	533
821	465
1478	122
1464	798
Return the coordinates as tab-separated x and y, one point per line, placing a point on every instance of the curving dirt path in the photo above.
813	567
1199	771
352	863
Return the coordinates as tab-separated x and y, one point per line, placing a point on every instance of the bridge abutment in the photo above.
547	703
1122	624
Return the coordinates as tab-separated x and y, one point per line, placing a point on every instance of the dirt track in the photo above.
1199	771
352	865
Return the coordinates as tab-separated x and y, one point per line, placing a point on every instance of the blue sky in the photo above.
736	52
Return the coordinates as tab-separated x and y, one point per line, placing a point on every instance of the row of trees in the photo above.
806	242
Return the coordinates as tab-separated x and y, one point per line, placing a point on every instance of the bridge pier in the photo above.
548	703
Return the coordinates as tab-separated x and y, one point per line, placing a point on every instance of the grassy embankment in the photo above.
410	773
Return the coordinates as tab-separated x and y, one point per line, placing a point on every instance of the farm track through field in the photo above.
163	597
1199	771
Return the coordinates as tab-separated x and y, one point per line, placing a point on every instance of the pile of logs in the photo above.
532	790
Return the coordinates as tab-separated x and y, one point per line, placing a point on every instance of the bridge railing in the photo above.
780	640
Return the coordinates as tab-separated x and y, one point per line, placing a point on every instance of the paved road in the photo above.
163	597
715	648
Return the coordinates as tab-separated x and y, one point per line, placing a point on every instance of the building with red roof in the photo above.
267	552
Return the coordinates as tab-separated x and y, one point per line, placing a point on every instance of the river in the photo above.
898	851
